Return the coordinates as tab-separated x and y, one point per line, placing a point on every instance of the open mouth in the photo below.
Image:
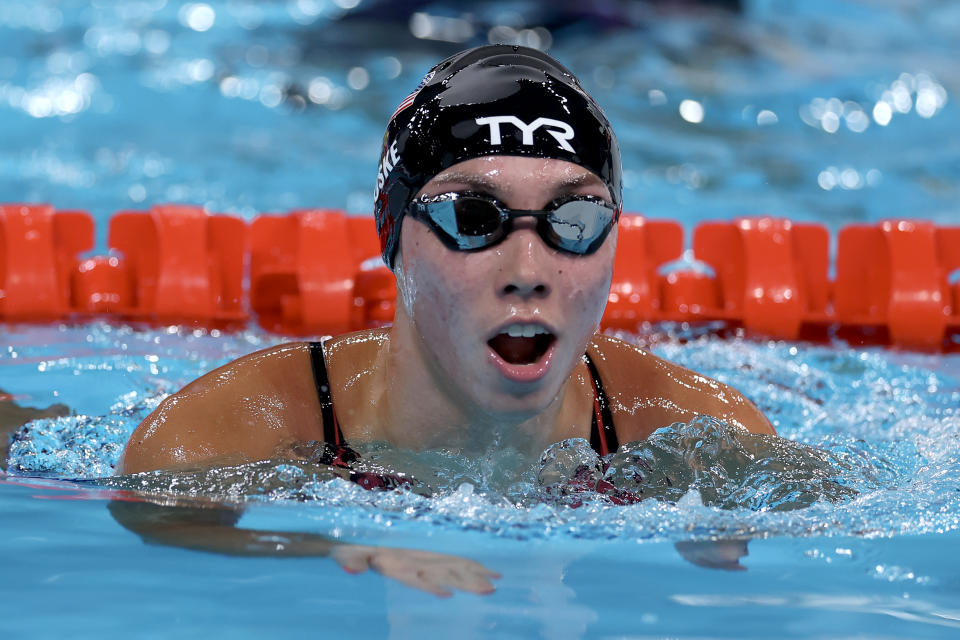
522	343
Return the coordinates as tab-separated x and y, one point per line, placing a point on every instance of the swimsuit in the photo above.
603	436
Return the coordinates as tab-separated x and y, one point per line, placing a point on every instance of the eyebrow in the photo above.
579	180
471	180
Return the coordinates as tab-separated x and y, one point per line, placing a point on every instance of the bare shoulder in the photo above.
241	411
648	392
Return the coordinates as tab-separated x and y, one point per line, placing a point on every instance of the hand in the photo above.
436	573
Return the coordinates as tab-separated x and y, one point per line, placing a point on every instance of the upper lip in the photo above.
502	328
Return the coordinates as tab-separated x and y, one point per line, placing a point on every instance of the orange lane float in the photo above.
771	273
307	273
38	254
895	275
318	271
180	263
174	263
643	245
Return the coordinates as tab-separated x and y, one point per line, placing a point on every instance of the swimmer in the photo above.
496	203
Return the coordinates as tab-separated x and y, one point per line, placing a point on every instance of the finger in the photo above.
457	578
479	569
424	583
466	575
418	579
489	573
472	582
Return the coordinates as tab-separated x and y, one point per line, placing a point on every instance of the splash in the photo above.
729	467
870	447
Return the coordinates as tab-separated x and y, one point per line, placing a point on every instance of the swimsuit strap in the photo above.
603	435
331	428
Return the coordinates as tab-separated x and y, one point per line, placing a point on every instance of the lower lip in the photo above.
524	373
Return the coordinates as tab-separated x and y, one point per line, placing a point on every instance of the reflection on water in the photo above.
835	112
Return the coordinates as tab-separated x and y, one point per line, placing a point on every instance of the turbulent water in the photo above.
870	447
836	112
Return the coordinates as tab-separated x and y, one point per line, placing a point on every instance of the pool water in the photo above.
876	559
835	112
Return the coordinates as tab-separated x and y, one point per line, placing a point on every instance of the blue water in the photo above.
877	564
282	105
166	113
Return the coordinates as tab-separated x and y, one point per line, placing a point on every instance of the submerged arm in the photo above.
212	528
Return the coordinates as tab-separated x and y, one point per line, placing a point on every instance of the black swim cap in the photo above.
495	99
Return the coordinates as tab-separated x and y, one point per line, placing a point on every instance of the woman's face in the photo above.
506	325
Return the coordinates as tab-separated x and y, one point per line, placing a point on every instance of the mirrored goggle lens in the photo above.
477	217
580	226
467	223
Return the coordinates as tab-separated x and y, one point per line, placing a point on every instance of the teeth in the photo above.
524	330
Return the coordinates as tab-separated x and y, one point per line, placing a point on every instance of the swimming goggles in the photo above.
470	222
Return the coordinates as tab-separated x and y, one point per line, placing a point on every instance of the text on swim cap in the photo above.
390	159
561	131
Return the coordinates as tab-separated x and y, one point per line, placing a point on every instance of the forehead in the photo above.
508	174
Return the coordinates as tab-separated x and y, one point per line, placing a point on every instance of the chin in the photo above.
517	403
497	395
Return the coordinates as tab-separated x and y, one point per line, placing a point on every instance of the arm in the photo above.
212	528
647	392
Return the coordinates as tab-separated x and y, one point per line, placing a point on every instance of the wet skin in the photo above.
433	380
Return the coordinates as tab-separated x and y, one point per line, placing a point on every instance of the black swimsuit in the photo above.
603	436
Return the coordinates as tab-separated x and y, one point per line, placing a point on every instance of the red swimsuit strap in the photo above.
603	435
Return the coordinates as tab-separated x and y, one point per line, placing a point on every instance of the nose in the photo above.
524	257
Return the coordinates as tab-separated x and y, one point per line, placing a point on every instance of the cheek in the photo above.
441	290
587	287
440	303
